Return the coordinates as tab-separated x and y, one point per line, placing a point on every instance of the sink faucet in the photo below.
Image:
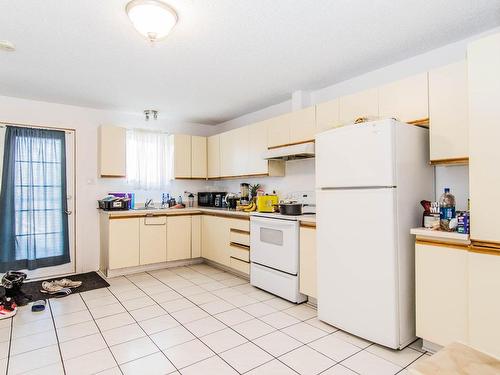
149	202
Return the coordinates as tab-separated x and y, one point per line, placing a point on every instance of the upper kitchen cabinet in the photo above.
449	114
234	152
483	60
180	146
360	104
112	151
327	115
189	155
213	156
278	131
198	157
257	145
406	100
302	125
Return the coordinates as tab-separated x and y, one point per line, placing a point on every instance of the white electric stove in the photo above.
274	267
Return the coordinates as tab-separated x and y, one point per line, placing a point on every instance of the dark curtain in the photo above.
33	200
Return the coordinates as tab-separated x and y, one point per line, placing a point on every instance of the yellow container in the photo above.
265	203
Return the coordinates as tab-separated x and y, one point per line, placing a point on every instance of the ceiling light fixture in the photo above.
151	18
5	45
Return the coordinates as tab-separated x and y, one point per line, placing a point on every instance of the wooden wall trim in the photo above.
424	122
291	144
484	250
489	244
307	224
239	176
451	161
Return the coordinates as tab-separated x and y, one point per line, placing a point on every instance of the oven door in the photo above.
274	243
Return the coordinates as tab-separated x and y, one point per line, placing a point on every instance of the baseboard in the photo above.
152	267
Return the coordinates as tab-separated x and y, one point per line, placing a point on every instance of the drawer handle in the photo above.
239	231
240	246
241	260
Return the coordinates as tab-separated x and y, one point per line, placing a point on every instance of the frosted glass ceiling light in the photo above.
151	18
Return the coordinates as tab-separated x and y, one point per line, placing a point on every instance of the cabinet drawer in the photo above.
240	237
239	252
240	224
155	220
239	265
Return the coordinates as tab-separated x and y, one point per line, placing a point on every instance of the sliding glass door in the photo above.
37	201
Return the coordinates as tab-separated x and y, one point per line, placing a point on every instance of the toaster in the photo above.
267	203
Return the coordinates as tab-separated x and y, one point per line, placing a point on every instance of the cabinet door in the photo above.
212	231
178	237
196	236
407	99
213	152
307	271
257	145
278	131
449	112
198	157
327	115
112	151
302	125
441	293
484	301
181	144
123	243
234	152
360	104
153	239
483	60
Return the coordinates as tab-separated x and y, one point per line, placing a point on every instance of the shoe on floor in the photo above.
57	291
50	287
8	307
67	283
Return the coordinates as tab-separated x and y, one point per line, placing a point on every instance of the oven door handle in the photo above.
274	223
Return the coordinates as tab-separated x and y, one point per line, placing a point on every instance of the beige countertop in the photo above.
440	235
307	219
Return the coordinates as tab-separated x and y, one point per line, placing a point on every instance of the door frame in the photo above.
72	238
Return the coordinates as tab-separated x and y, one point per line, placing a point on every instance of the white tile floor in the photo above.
186	320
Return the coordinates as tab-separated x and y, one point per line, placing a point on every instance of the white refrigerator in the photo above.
370	179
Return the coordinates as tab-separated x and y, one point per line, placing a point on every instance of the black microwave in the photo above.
212	199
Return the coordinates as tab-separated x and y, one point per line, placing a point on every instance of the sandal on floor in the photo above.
62	292
67	283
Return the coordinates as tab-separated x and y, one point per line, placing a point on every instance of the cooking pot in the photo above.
290	208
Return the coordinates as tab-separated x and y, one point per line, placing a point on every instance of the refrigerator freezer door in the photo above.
356	155
357	263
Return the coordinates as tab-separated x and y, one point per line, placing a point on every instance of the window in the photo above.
147	159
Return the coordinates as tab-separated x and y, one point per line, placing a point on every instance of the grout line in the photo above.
100	332
248	341
10	344
55	331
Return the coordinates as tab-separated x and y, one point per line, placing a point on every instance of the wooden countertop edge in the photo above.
113	216
473	247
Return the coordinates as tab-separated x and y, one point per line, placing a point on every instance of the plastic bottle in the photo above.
447	210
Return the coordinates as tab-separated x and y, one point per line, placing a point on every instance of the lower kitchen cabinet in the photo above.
178	237
441	278
153	239
195	236
215	241
123	245
307	269
484	301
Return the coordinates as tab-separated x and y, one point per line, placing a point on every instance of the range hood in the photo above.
293	152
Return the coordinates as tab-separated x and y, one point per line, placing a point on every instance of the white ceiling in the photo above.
225	57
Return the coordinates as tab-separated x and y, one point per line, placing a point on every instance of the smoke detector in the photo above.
148	113
7	46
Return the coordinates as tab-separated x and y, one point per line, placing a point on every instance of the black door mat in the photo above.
90	281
